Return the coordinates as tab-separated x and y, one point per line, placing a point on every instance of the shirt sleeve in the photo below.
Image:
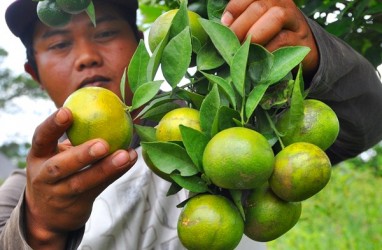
12	219
350	85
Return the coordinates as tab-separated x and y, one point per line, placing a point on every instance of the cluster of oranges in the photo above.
57	13
272	185
241	180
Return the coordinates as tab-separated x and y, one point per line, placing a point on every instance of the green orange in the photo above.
267	217
319	126
210	222
99	113
51	14
301	170
162	24
73	6
168	127
238	158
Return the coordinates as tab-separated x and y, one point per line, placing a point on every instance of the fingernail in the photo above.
98	149
120	159
62	116
227	18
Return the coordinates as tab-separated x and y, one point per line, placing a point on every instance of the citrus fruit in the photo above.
73	6
238	158
319	126
210	222
168	126
153	168
161	26
301	170
51	14
99	113
267	217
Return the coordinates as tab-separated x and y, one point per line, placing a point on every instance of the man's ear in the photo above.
29	69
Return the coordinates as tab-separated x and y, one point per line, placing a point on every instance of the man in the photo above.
122	203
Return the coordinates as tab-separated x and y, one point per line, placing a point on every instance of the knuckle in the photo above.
75	186
279	15
258	7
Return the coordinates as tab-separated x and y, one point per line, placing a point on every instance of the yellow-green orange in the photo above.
99	113
51	14
154	168
267	217
168	126
319	126
210	222
73	6
301	170
238	158
162	24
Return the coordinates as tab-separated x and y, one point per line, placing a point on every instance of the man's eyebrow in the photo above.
105	18
54	32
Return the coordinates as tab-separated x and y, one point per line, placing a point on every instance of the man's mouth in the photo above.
97	81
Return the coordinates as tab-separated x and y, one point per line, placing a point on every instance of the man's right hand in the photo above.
63	181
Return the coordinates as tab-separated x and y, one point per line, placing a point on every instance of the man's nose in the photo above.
87	55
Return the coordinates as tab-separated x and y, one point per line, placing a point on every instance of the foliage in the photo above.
345	215
16	151
359	23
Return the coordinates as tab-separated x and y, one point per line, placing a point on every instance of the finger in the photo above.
65	145
109	170
46	135
248	17
73	160
94	179
233	10
271	24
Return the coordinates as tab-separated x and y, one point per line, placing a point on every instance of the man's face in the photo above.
80	54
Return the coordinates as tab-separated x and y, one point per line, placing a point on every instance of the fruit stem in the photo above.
272	124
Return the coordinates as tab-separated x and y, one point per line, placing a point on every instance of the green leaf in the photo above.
225	85
215	9
176	57
191	97
122	86
90	11
158	111
180	20
297	102
159	100
137	70
154	62
239	67
209	109
225	41
169	157
208	58
254	98
285	59
145	133
226	118
145	93
259	63
194	183
173	189
194	141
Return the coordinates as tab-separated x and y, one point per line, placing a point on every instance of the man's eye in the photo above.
59	46
106	34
